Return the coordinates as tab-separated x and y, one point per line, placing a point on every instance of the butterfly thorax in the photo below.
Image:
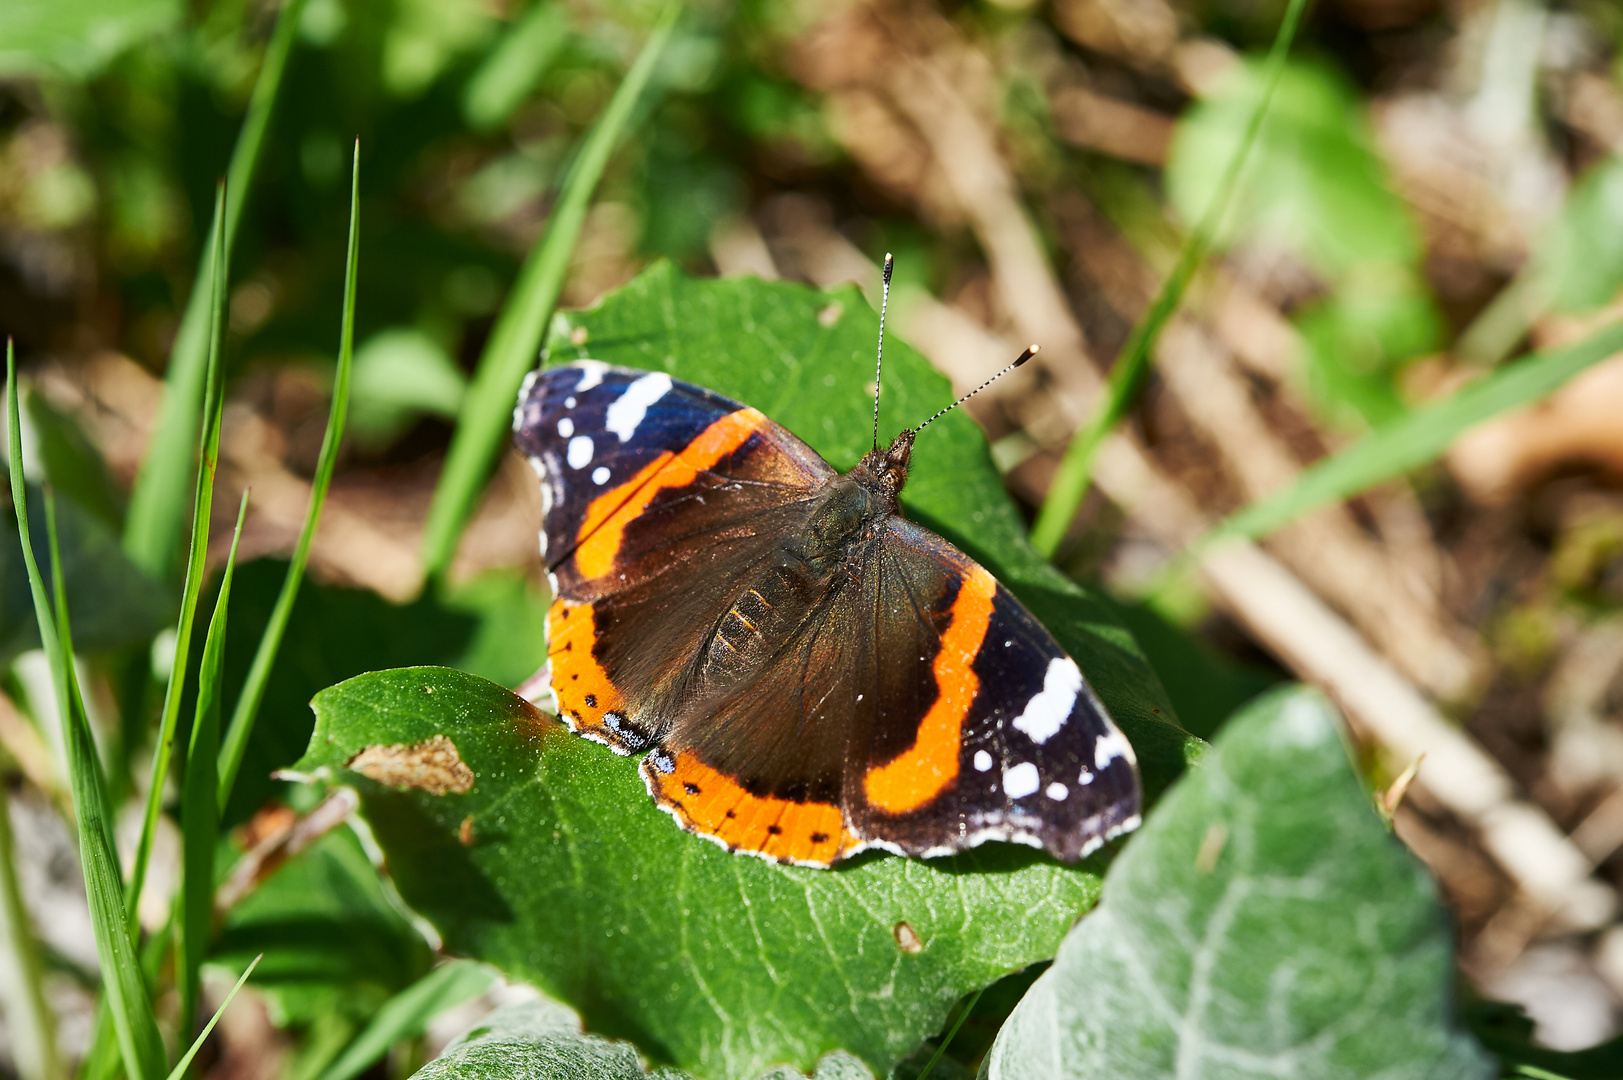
853	507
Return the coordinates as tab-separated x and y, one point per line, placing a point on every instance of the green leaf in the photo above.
185	1061
158	499
517	335
407	1014
401	374
1263	923
75	38
557	867
73	466
112	603
803	356
123	985
208	455
1508	1033
491	626
1420	436
335	942
516	65
542	1040
1315	186
199	810
537	1040
1579	253
246	711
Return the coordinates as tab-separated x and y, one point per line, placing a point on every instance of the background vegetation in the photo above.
1376	450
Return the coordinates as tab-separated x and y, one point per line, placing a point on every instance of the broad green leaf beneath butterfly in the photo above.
1263	923
541	853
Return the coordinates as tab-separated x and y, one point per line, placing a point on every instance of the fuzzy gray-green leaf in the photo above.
1263	923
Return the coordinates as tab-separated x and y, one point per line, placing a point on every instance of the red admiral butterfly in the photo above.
810	673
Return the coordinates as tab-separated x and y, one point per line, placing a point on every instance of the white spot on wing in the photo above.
1086	778
591	374
579	454
1057	791
1049	708
628	412
600	475
1111	746
569	402
1021	780
566	427
983	761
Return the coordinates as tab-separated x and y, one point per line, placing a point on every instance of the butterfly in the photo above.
807	673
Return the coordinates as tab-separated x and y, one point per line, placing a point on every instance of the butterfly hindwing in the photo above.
1005	741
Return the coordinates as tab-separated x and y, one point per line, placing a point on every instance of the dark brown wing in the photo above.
912	705
658	495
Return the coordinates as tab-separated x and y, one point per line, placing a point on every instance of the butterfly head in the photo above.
886	469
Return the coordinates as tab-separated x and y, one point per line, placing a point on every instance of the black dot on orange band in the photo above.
591	701
819	837
731	814
774	830
692	788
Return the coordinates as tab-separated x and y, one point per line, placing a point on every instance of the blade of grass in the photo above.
122	981
197	1044
152	526
1070	482
517	337
253	688
407	1013
969	1007
202	505
32	1021
1419	437
199	814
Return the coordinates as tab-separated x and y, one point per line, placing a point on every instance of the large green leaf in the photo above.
490	626
556	866
334	942
110	601
542	1040
803	357
1263	923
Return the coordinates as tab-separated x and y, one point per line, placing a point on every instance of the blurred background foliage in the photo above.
1438	189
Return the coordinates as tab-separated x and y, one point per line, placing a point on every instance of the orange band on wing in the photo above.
581	685
603	529
713	804
931	763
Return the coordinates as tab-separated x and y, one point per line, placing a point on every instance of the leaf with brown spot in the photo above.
432	765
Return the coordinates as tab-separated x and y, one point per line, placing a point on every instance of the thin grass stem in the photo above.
122	980
253	688
517	337
202	506
199	814
157	501
1075	471
197	1044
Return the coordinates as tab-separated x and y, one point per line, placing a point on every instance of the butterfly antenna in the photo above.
1022	358
879	360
